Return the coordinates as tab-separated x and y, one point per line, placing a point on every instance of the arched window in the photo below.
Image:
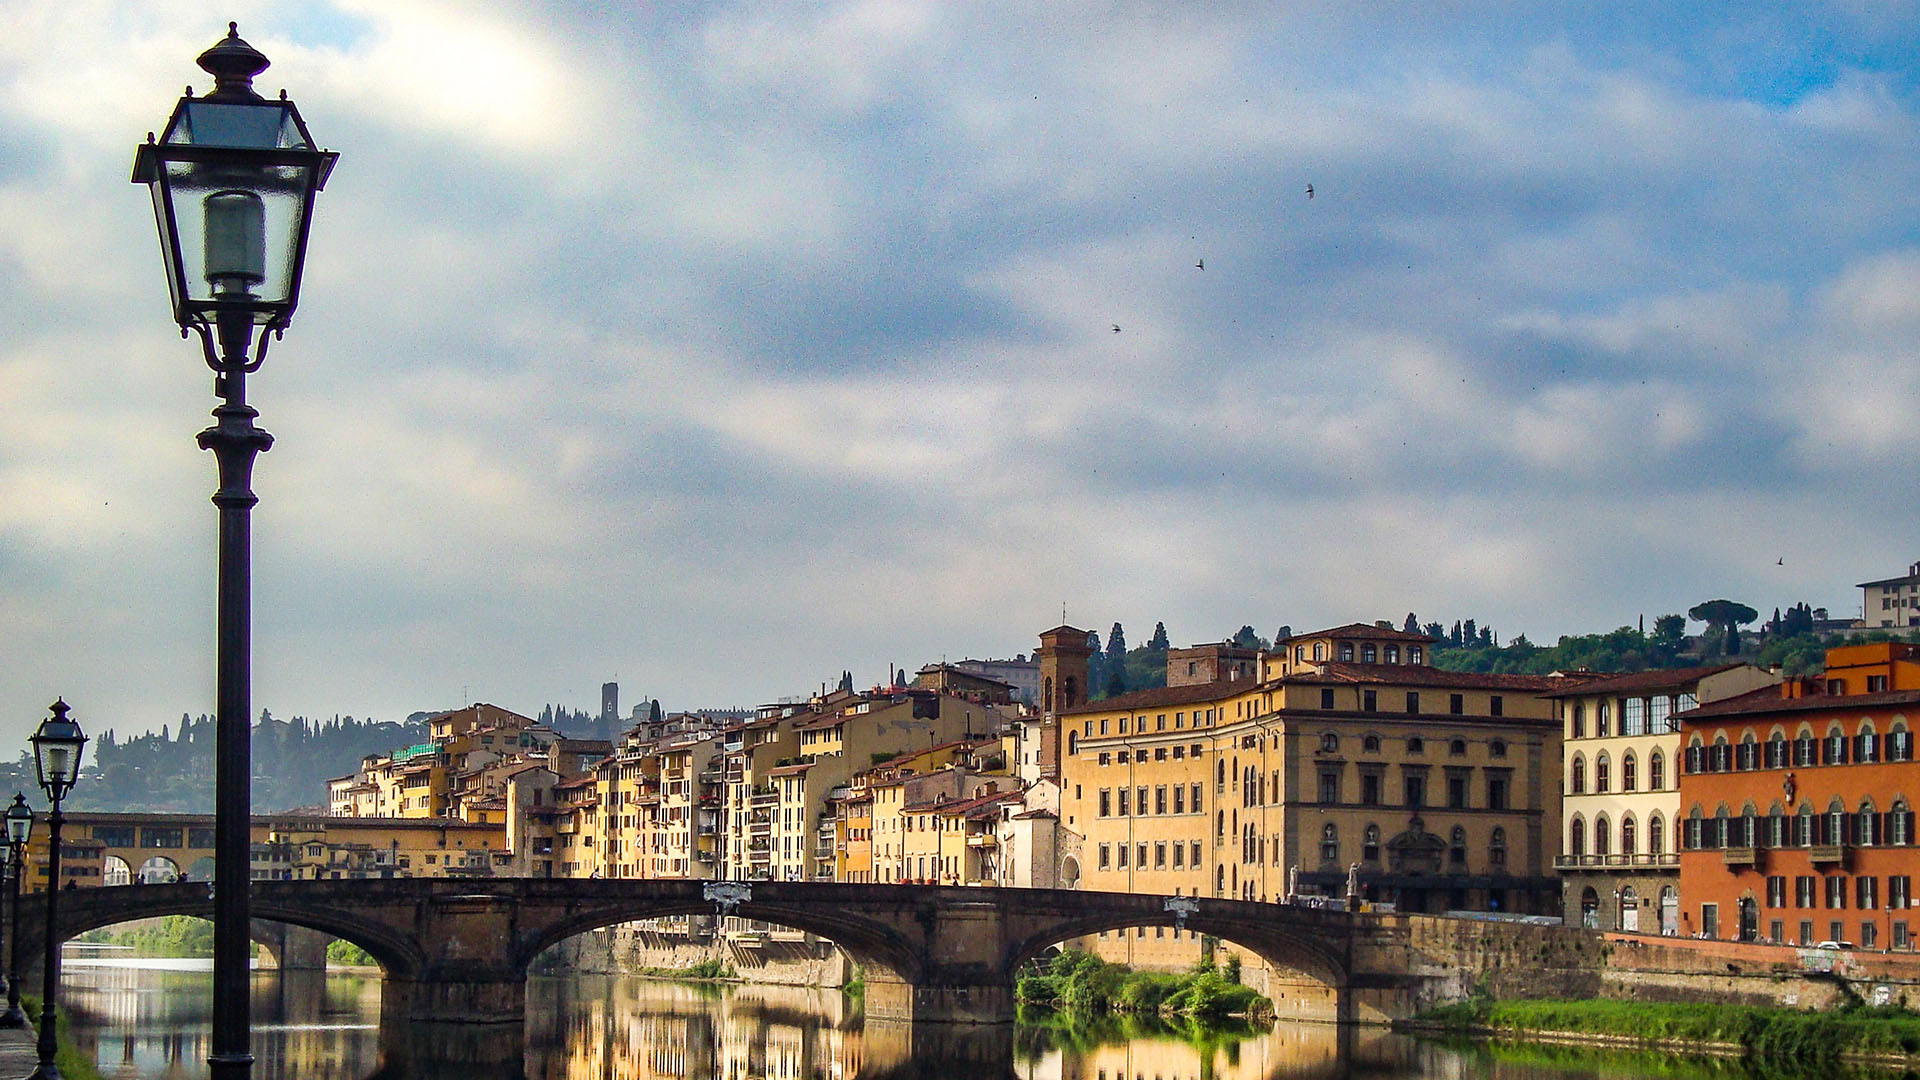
1722	757
1866	828
1457	849
1371	744
1579	720
1602	720
1577	780
1900	823
1866	745
1329	842
1656	771
1749	827
1899	742
1656	836
1577	836
1073	743
1806	749
1696	834
1346	652
1835	750
1457	747
1749	758
1777	753
1696	756
1836	823
1497	748
1601	769
1803	826
1393	654
1627	835
1416	745
1629	772
1777	833
1497	848
1602	836
1369	653
1414	654
1319	651
1370	843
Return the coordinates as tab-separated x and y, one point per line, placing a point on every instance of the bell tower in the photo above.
1064	657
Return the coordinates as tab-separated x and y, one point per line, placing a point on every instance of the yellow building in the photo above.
1439	789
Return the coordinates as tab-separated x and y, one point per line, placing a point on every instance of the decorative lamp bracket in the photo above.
726	895
1181	907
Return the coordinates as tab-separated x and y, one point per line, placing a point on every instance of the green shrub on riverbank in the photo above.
342	951
1083	982
72	1063
1775	1035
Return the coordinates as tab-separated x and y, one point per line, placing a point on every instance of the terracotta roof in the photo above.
1656	679
790	770
1041	813
1421	675
1158	696
1767	700
1355	629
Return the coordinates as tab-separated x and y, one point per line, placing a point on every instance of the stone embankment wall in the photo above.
776	959
1652	968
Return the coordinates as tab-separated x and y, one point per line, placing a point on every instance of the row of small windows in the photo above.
1370	744
1370	702
1132	802
1865	827
1638	716
1368	653
1603	773
1803	751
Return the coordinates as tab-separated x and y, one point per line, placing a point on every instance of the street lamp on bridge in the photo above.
56	755
233	182
19	818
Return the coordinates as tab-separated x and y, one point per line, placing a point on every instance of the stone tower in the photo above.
1064	657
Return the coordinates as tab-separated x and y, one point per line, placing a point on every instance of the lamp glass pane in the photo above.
58	761
267	125
281	195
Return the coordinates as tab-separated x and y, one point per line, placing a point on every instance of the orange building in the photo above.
1797	806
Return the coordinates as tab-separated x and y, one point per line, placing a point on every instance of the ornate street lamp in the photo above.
233	183
19	829
56	755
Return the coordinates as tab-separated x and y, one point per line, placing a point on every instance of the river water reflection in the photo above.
148	1023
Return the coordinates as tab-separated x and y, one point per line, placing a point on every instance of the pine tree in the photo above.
1158	642
1412	625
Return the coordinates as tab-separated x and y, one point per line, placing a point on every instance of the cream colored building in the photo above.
1620	844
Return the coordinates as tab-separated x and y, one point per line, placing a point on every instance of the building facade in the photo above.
1798	804
1621	838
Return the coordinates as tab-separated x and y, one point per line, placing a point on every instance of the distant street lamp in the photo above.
56	755
19	828
233	183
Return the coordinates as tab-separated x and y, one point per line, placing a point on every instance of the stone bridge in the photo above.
458	949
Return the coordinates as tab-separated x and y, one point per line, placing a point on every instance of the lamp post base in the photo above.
14	1017
230	1066
46	1070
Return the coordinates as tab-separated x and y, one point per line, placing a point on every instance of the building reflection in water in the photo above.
143	1024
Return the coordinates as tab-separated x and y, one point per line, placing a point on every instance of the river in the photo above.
147	1020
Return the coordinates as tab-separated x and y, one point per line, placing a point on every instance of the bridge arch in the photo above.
1280	948
870	943
82	910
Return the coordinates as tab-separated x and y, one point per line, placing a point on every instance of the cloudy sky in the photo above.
716	348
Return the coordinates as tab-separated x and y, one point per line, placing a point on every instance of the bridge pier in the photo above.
455	995
969	1002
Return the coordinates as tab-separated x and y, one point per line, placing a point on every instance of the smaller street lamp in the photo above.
56	756
19	818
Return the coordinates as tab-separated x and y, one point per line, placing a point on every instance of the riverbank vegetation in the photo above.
166	936
1081	982
1772	1035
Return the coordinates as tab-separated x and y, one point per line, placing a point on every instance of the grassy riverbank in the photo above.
1785	1036
72	1063
1083	982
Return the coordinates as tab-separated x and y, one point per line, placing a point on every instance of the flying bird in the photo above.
1782	561
1201	265
1116	328
1309	191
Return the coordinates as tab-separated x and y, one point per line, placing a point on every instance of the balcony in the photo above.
1644	861
1827	853
983	840
1743	856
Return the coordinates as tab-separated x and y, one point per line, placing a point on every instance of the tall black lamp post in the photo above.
233	183
19	818
56	754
